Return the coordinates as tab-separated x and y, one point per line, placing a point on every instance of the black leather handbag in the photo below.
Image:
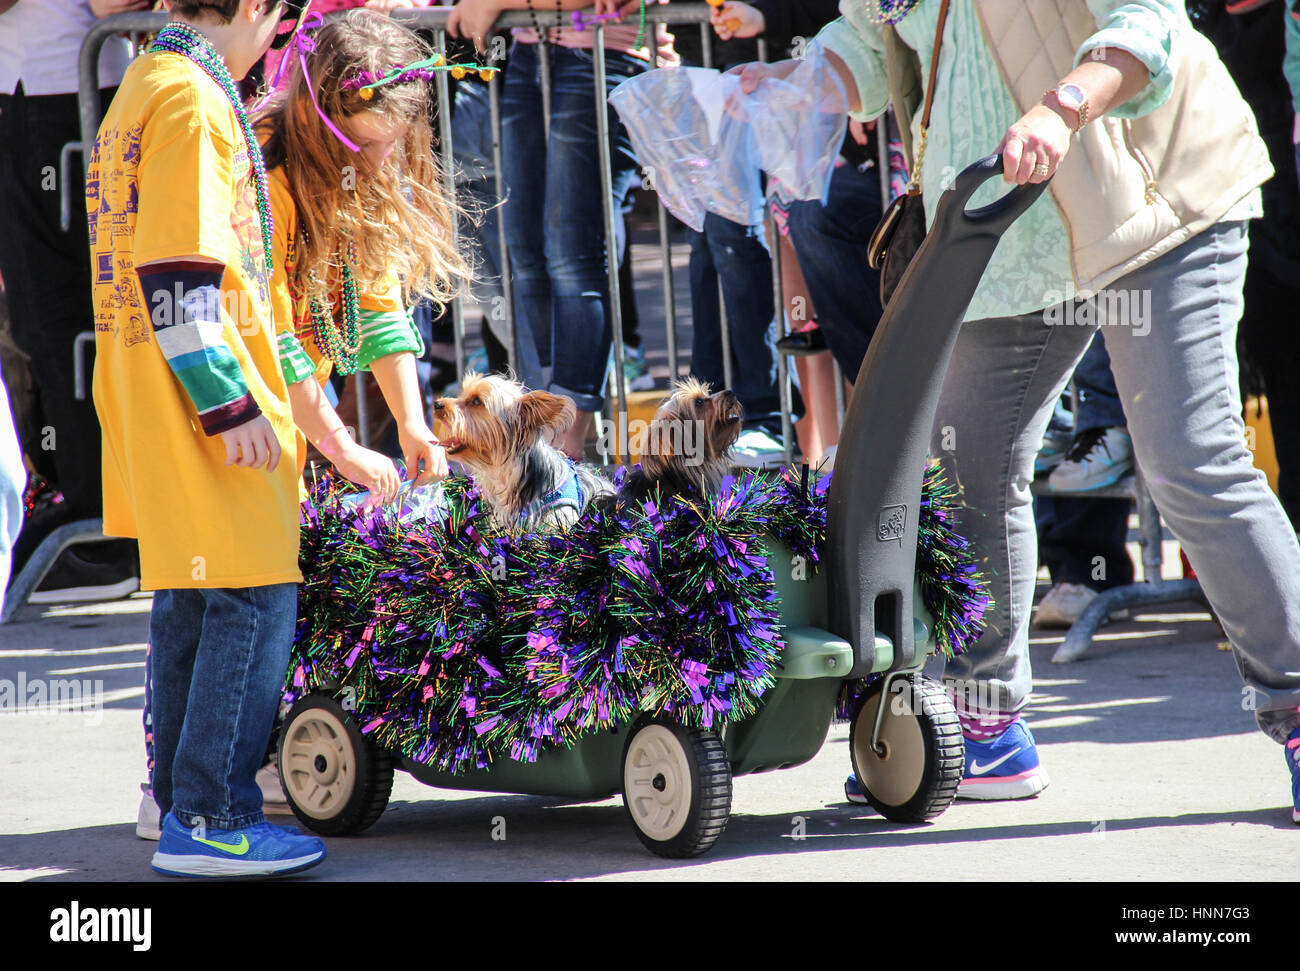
901	230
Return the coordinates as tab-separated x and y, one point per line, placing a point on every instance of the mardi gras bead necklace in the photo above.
544	38
339	344
177	38
889	11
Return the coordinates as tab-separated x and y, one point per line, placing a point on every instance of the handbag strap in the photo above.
914	184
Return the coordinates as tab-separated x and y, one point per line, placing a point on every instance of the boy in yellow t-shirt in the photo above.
196	414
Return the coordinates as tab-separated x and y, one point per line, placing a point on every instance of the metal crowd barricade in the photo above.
1155	590
435	21
137	25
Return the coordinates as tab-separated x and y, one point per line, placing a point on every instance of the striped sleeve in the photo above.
185	306
386	332
294	360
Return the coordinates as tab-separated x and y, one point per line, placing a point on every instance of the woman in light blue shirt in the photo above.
1170	317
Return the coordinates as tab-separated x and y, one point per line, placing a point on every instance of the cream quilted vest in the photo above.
1130	191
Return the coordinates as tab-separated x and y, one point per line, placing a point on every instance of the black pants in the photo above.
47	281
1082	540
1271	342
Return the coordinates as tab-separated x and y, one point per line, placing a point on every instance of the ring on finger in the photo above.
1041	169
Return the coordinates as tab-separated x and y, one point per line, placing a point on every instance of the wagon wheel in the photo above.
676	787
336	780
915	773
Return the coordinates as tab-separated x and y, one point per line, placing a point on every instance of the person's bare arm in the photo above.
473	19
751	75
1042	135
400	383
318	420
620	7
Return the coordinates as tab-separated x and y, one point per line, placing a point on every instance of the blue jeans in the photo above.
471	140
737	255
554	217
1099	404
217	666
1177	378
831	242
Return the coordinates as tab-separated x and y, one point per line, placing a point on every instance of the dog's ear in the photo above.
538	410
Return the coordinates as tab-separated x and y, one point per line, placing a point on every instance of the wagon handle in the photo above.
876	491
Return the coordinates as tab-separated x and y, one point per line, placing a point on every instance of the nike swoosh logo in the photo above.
977	769
235	849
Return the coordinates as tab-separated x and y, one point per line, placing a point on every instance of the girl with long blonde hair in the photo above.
363	228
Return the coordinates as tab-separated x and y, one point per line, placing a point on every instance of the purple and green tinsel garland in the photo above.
457	644
953	589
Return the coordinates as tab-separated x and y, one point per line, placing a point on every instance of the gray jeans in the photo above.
1173	352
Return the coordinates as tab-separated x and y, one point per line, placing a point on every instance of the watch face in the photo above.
1071	96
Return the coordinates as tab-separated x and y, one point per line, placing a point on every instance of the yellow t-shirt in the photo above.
170	177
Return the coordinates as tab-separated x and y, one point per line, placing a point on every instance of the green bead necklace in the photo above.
339	344
178	38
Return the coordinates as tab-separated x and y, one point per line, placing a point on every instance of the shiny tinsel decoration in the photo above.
954	590
457	644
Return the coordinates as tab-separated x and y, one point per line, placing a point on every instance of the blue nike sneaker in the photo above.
853	792
1005	767
262	850
1293	763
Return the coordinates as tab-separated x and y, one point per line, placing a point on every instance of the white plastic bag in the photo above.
702	142
696	155
412	505
799	124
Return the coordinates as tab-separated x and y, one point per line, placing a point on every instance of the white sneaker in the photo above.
756	449
268	780
1063	604
148	821
1098	457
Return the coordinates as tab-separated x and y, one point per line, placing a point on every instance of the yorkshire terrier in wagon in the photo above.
501	433
686	444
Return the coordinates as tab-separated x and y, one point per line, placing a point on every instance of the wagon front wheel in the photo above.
913	773
336	780
676	787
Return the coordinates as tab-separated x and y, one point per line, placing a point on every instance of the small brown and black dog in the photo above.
686	446
499	431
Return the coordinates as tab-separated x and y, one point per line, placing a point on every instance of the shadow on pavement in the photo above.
548	839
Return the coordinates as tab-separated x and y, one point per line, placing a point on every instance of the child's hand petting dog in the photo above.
373	472
252	445
420	445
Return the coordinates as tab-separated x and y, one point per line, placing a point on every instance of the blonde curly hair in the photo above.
394	219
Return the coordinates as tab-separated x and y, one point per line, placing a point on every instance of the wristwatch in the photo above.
1073	98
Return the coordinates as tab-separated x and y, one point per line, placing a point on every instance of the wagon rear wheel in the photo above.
914	774
336	780
676	787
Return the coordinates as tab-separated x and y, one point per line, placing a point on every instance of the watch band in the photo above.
1081	111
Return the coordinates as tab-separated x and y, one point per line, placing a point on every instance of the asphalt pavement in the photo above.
1157	774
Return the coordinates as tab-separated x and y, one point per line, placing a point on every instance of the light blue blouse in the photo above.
973	109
